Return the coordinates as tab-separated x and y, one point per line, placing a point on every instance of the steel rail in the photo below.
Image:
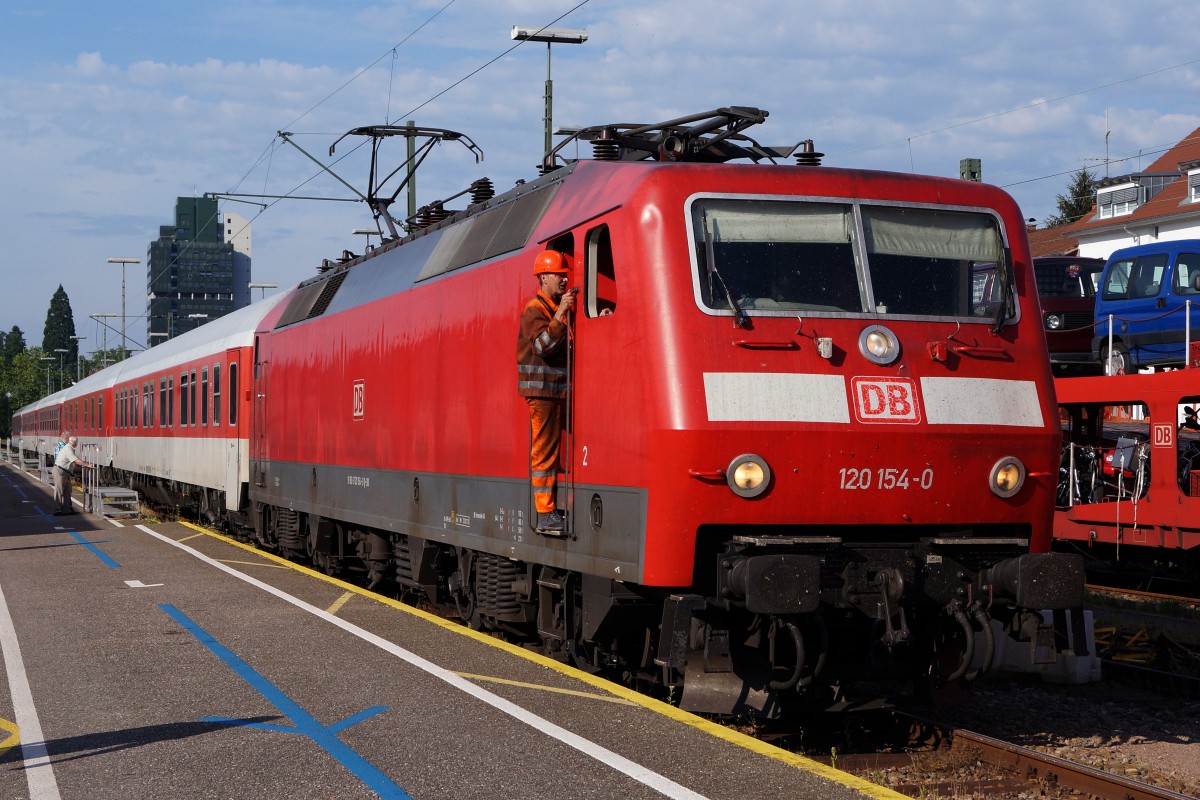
1037	766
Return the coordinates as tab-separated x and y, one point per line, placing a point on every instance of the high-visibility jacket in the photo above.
542	343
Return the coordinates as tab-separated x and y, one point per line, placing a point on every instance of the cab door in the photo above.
591	389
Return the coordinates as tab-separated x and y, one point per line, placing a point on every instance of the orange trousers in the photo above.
546	418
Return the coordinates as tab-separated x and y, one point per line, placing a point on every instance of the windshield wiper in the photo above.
739	317
1002	311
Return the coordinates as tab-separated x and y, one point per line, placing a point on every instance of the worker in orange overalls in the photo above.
542	349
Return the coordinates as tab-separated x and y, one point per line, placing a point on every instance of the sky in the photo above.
110	111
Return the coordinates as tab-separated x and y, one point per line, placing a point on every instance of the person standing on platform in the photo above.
542	351
62	440
64	465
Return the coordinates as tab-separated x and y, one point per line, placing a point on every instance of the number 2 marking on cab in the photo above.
884	478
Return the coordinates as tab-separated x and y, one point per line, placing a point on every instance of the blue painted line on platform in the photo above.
303	723
96	551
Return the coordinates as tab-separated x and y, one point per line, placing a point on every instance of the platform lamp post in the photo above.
550	36
51	359
263	287
78	359
123	262
60	351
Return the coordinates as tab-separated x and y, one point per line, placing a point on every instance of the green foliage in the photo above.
1076	203
96	361
13	343
60	328
25	380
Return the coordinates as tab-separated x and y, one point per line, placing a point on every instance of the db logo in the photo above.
885	400
360	399
1164	435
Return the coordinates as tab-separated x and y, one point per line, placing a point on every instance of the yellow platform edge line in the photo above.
863	785
337	604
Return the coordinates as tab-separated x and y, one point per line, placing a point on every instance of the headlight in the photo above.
1007	478
748	475
1053	321
878	345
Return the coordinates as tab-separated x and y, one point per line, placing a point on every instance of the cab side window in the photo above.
601	278
1116	282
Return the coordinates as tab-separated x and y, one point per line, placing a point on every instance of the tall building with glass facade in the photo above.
197	270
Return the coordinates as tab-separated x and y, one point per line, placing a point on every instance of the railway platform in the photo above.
157	660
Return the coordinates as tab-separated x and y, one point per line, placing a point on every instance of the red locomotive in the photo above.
811	432
1129	479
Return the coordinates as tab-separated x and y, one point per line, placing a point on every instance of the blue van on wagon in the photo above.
1146	290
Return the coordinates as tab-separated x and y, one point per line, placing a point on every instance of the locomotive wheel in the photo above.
462	592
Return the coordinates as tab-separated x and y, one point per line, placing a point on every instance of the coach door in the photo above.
256	388
226	388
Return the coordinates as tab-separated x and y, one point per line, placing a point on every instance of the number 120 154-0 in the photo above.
884	478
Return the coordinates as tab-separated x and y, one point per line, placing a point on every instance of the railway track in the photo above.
945	761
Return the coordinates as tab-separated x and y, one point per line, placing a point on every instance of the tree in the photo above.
14	343
25	379
1076	203
59	333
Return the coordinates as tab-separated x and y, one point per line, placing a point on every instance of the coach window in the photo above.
100	414
162	401
601	277
204	395
183	400
170	401
216	394
233	389
195	420
145	405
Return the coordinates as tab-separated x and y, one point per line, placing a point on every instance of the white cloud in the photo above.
99	143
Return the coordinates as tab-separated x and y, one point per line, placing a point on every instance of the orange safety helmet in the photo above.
551	261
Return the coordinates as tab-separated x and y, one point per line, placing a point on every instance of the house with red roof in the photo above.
1160	203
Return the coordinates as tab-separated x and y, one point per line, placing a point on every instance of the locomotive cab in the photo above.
847	424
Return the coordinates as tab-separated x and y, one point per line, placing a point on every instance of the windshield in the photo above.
1065	279
782	257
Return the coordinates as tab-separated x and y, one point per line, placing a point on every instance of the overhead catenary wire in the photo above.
270	148
392	52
